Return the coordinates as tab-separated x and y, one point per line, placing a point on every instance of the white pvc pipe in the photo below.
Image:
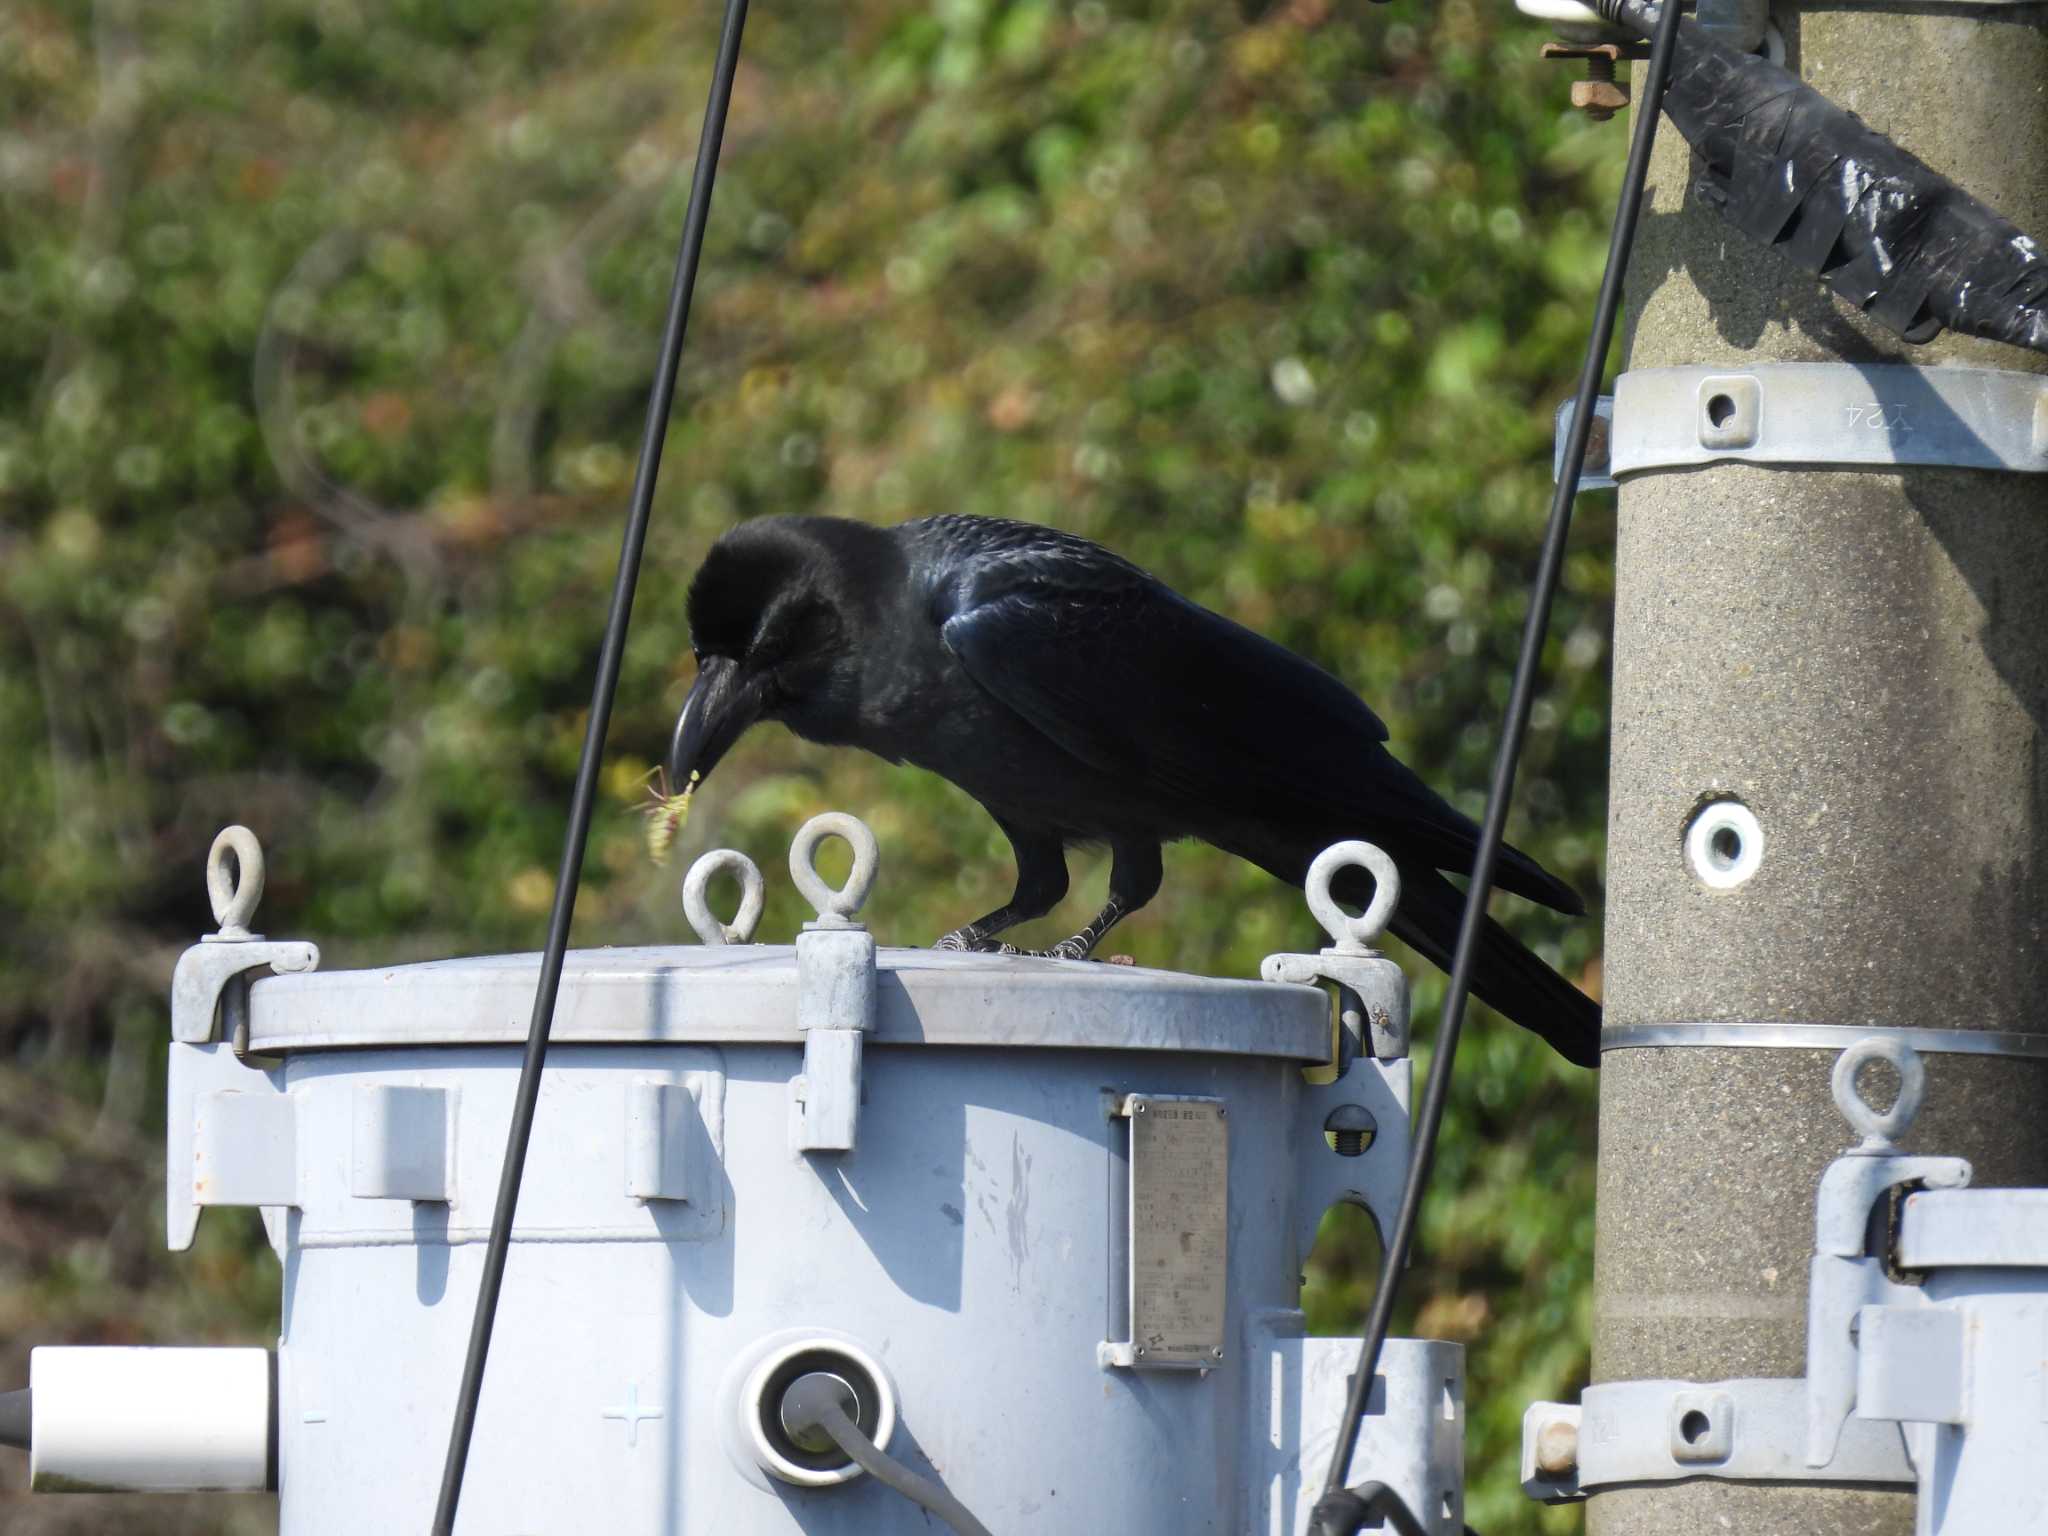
149	1420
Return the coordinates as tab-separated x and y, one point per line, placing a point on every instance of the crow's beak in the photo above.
723	702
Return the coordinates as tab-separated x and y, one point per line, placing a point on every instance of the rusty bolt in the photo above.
1599	99
1598	95
1557	1447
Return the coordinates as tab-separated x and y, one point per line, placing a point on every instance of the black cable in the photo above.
1351	1509
814	1400
17	1419
582	799
1522	695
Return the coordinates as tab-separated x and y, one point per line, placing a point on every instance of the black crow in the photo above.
1082	701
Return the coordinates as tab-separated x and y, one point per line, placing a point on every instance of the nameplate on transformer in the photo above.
1179	1228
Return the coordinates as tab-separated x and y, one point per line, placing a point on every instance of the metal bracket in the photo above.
1811	1429
1366	1112
1412	1437
1748	1430
231	1131
205	970
1372	991
1832	415
402	1143
835	978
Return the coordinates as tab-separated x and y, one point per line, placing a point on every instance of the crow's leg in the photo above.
1134	876
1041	883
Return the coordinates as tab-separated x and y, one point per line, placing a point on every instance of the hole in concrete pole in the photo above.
1725	847
1694	1426
1719	409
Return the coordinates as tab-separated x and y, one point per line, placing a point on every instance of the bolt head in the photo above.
1216	1353
1599	99
1557	1448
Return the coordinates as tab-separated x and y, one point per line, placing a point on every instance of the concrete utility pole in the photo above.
1861	658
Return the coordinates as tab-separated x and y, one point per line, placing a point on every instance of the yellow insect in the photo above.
666	813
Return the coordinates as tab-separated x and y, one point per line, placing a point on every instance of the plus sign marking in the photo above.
632	1413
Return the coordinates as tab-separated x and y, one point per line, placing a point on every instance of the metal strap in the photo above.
1823	1037
1833	415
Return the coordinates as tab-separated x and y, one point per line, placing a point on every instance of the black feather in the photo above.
1081	700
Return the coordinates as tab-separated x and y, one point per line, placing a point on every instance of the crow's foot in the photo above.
967	941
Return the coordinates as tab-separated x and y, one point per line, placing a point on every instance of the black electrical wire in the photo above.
1338	1513
814	1400
584	796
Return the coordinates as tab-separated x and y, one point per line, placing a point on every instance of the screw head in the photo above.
1599	99
1557	1448
1139	1351
1138	1110
1216	1353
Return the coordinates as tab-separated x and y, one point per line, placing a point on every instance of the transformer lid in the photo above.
746	994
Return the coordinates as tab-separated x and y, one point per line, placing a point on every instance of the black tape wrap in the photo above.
1887	232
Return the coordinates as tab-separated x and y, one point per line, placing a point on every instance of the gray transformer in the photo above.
1047	1218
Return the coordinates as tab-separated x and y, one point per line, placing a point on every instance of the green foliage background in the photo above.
325	327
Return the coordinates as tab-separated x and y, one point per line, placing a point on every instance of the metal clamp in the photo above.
204	971
1836	415
1372	991
1811	1429
232	1138
835	978
1663	1431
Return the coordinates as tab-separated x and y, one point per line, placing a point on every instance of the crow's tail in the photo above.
1509	977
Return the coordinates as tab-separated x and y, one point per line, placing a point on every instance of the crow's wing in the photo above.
1142	684
1198	713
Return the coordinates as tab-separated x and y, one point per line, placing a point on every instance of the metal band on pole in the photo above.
1822	1037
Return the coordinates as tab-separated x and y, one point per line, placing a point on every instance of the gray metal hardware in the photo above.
232	1137
1835	415
1179	1224
1850	415
1373	1091
244	1148
1865	1369
204	971
1413	1440
402	1143
697	904
1845	1278
665	1155
1820	1037
1594	474
835	968
1752	1429
1974	1229
1372	992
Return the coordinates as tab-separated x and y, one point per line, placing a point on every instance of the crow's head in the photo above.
775	613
